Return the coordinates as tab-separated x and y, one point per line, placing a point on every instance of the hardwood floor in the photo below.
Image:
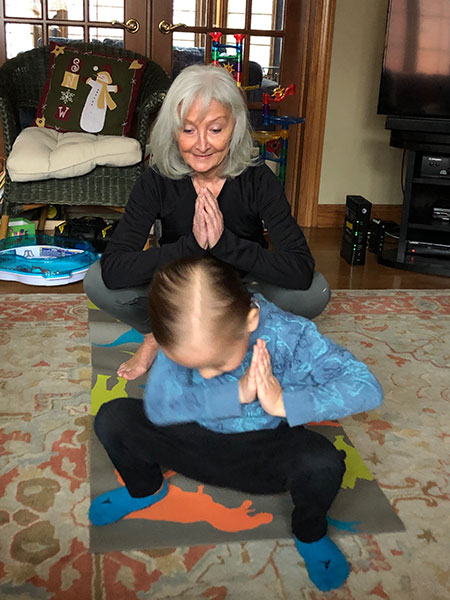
324	244
325	247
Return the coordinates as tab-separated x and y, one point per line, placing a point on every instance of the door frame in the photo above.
316	25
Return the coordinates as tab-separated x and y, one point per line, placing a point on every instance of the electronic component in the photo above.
356	226
375	236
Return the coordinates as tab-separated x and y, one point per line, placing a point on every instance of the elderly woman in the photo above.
211	195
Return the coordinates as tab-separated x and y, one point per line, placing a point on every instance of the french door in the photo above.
182	27
289	40
27	24
180	36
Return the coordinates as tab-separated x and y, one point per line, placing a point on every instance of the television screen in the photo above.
415	80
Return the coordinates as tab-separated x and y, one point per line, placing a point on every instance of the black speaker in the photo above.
356	227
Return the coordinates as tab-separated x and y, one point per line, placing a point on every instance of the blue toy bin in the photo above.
45	260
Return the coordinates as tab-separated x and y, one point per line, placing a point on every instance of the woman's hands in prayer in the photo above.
207	225
199	228
259	381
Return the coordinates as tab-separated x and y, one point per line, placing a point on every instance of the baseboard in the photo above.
332	215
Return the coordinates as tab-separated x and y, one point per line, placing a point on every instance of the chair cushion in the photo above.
44	154
90	91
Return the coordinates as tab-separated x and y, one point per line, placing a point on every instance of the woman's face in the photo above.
205	138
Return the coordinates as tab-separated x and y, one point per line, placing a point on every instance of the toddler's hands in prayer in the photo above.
268	388
247	384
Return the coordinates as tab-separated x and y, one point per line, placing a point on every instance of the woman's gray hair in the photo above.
207	82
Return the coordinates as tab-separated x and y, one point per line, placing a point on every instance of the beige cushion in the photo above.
40	153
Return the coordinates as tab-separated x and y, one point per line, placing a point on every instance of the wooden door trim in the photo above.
160	47
137	42
297	18
308	37
318	29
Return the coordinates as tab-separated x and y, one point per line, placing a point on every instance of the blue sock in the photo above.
116	504
326	565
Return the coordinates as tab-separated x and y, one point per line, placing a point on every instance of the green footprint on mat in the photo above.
354	465
100	393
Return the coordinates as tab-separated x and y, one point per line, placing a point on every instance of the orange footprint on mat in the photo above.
180	506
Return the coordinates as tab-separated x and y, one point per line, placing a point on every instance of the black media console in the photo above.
424	238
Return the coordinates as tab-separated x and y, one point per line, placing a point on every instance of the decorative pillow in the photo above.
89	91
47	154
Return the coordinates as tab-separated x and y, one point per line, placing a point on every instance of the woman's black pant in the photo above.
269	461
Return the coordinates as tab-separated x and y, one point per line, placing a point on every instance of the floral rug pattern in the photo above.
45	375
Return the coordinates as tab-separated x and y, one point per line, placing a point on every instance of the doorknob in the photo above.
132	26
165	27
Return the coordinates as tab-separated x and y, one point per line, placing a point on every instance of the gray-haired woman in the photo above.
211	195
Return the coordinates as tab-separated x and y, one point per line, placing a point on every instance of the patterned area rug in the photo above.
44	405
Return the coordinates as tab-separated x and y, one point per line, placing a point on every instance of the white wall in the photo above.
357	157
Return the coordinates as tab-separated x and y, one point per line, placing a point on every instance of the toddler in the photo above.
226	401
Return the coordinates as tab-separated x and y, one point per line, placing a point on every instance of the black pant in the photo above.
269	461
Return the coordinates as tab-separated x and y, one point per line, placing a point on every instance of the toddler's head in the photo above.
202	315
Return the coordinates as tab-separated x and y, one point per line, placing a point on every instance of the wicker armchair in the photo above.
21	82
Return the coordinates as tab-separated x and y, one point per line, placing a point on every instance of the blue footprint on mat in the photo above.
129	337
344	525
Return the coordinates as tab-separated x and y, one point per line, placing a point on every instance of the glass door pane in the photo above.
66	10
30	9
266	51
189	12
106	10
267	14
63	33
188	49
112	36
21	37
235	14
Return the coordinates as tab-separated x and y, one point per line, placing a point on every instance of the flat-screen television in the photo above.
415	79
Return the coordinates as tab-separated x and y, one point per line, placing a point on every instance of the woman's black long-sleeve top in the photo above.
249	203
